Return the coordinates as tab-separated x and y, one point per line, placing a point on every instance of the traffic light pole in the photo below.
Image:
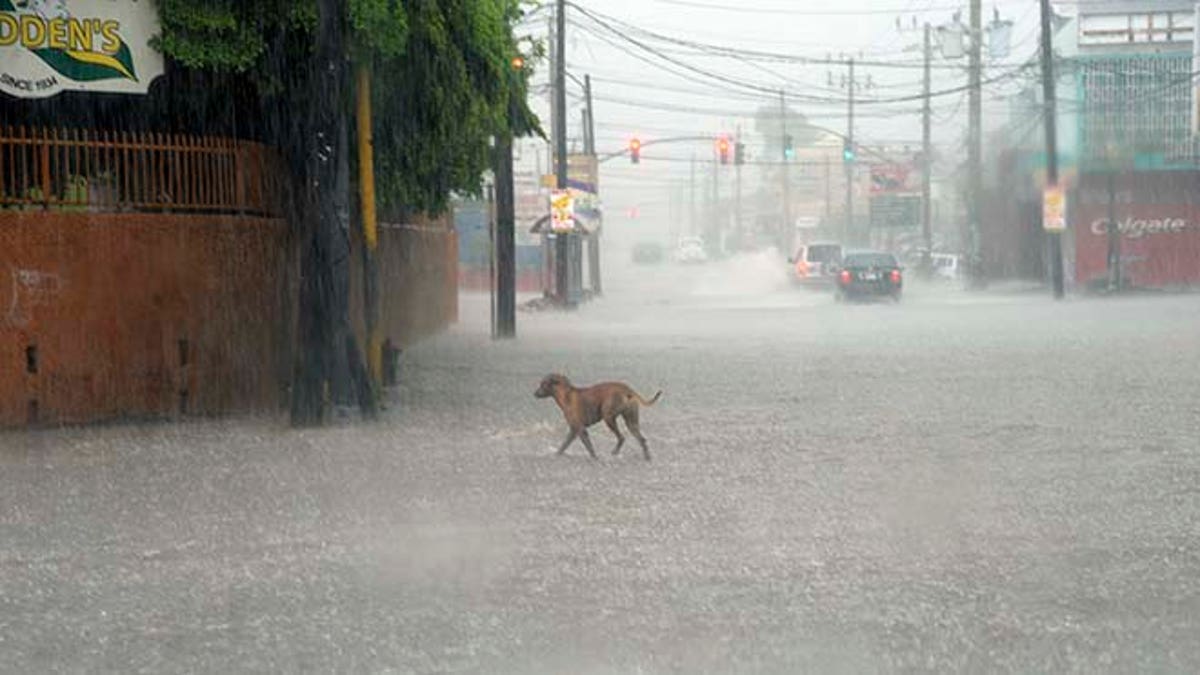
562	249
590	150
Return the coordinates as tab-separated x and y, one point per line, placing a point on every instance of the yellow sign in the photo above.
1054	209
562	211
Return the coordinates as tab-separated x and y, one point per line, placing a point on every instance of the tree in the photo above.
769	123
428	57
441	88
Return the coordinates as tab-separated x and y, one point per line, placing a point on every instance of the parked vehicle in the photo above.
869	274
648	253
691	250
816	263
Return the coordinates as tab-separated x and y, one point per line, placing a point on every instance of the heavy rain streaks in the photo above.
294	298
960	483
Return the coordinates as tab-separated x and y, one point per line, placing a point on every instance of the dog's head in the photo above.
551	384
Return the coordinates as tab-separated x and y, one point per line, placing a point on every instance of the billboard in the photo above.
1157	217
51	46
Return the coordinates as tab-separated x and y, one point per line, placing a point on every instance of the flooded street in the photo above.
989	482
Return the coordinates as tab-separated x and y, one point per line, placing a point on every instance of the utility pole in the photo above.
505	243
975	149
785	227
692	209
927	162
850	234
828	190
590	149
1050	123
713	240
737	200
562	248
366	185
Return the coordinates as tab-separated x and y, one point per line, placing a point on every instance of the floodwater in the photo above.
968	482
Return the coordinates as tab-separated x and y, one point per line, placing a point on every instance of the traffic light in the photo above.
788	151
723	149
635	150
847	152
739	153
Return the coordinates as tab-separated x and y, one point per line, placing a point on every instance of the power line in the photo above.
804	12
608	22
768	89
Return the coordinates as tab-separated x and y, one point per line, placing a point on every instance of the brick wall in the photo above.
122	315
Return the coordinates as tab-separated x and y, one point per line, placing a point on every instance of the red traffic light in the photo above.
635	150
723	149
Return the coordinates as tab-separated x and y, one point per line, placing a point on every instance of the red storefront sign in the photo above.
1158	218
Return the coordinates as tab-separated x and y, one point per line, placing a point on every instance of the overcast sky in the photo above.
659	93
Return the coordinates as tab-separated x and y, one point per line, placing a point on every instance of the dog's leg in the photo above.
612	424
631	421
570	439
587	443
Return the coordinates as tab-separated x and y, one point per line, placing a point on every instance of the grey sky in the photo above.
630	94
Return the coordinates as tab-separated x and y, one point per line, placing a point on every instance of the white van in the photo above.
816	263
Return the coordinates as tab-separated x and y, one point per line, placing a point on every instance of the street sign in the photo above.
77	45
1054	209
888	211
562	211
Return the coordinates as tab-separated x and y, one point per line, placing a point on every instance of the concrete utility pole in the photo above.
1050	123
713	238
562	248
927	162
692	207
737	178
785	176
850	235
590	149
828	190
975	149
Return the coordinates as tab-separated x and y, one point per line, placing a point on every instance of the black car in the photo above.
869	274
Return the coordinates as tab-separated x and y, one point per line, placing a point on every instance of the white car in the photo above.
691	250
945	266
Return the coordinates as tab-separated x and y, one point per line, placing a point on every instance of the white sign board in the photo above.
51	46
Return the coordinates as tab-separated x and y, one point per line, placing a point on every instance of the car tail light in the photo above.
802	269
895	276
844	277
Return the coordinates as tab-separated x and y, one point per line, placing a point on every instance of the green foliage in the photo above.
442	82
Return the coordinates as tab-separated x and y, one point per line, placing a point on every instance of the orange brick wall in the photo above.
107	299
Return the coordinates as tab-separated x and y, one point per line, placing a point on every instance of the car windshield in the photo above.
870	260
823	253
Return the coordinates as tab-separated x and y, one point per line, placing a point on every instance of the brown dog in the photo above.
583	407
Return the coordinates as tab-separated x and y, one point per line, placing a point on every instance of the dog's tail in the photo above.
649	403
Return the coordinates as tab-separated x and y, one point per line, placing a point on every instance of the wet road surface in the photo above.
991	482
